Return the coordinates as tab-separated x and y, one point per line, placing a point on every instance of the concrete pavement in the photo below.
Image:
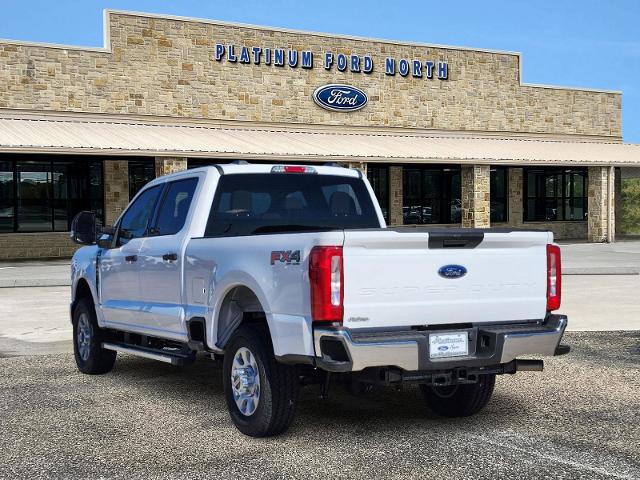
147	420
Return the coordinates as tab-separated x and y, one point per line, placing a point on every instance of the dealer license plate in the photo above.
444	345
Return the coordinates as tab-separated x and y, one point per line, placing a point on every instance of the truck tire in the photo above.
460	400
261	393
90	357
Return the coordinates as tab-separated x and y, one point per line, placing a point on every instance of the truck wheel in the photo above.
460	400
261	393
90	357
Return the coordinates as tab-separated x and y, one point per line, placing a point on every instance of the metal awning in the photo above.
100	135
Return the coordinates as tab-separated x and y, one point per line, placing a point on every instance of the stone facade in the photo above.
163	66
475	195
167	67
16	246
395	196
600	215
167	165
116	189
562	230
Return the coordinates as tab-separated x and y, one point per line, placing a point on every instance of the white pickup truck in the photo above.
289	274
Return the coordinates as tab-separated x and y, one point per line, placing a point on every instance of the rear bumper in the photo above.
340	349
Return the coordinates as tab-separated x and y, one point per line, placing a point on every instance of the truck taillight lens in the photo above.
554	277
327	284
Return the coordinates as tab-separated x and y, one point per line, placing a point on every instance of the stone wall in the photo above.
598	220
395	196
116	189
36	245
475	195
569	230
167	165
167	67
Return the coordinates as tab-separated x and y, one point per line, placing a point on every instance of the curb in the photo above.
45	282
601	271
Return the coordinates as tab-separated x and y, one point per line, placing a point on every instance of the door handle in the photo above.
131	258
170	257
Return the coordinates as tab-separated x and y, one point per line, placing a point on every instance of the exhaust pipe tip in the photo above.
529	365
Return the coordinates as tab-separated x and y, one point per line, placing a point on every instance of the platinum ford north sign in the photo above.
340	98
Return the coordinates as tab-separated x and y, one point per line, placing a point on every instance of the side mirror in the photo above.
83	228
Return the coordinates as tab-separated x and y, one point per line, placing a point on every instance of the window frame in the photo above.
51	162
160	202
562	198
118	227
504	198
444	196
217	198
387	197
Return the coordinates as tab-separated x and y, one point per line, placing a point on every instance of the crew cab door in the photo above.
119	266
160	259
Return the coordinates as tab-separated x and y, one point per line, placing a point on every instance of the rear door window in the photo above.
175	207
252	204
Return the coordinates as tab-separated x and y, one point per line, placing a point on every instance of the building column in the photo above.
515	185
475	196
618	201
167	165
395	196
116	189
601	193
362	166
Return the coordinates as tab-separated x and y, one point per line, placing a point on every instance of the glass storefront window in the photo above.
141	172
43	194
431	195
555	194
498	188
379	178
6	197
34	197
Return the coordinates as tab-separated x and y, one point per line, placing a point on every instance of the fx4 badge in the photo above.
288	257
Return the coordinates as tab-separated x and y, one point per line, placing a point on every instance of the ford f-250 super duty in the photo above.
289	275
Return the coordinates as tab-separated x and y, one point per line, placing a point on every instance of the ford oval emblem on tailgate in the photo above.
340	98
452	271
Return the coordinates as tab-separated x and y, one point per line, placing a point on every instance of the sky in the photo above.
584	43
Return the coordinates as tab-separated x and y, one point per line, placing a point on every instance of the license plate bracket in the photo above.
448	344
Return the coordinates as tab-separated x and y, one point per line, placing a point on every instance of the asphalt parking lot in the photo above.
578	419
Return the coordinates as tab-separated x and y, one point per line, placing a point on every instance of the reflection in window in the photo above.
141	172
498	189
6	197
175	206
379	178
555	194
43	194
431	195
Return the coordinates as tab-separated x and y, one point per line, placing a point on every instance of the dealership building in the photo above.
447	136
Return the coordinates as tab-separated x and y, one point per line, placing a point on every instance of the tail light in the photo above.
554	277
327	284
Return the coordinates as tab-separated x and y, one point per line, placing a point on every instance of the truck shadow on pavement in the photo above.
200	387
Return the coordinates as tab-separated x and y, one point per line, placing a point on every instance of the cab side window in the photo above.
134	222
175	207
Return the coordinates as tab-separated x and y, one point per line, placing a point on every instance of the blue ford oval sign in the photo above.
452	271
340	98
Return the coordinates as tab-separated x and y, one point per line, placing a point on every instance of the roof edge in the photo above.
169	121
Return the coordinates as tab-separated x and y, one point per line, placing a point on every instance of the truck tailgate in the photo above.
392	279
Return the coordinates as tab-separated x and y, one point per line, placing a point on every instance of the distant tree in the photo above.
630	214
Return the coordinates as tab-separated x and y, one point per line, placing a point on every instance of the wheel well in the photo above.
240	306
82	291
